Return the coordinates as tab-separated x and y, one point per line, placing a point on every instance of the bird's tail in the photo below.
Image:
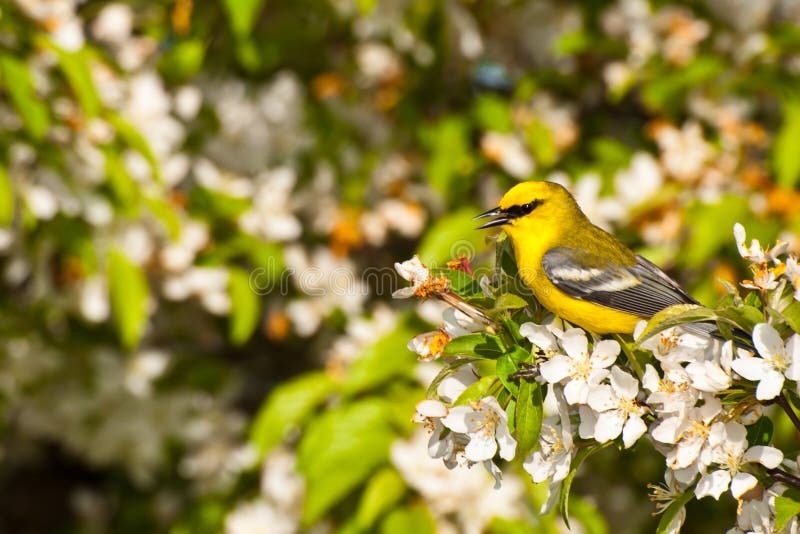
740	338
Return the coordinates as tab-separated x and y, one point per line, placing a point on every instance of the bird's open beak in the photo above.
502	219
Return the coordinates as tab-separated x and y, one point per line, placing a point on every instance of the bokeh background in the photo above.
191	194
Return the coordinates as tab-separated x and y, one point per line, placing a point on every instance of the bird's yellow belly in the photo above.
592	317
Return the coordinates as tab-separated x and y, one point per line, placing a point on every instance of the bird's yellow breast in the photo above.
529	251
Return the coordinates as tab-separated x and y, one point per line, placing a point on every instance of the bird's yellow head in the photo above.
534	205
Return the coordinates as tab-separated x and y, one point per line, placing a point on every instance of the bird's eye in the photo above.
528	207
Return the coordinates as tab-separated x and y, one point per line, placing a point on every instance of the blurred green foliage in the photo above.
144	155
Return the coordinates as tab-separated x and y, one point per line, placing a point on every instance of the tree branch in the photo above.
782	476
783	402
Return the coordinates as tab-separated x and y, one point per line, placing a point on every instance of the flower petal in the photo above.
602	398
767	340
561	466
739	234
605	352
770	386
588	421
539	335
769	457
481	447
650	380
669	430
751	367
454	385
404	293
575	343
439	447
624	384
633	430
538	467
456	420
431	408
742	483
576	392
556	369
793	353
493	470
714	484
609	425
508	445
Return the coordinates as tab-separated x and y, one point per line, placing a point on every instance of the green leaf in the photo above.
287	406
165	213
479	345
384	360
242	15
464	284
672	511
76	70
784	150
6	199
129	293
477	390
492	113
16	79
450	157
133	138
504	368
666	90
674	316
183	61
339	451
509	301
124	189
528	416
566	486
416	519
384	490
787	506
245	306
365	7
760	432
575	42
743	316
541	143
752	299
451	236
791	314
711	228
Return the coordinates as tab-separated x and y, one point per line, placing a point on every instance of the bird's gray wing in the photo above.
641	289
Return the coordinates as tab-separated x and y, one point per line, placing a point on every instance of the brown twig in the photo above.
782	476
783	402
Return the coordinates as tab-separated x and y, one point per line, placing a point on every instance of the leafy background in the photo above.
192	195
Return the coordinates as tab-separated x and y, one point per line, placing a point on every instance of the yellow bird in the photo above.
576	270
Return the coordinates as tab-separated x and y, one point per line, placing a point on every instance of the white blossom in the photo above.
755	253
581	367
415	272
552	459
777	361
728	442
688	433
486	425
618	411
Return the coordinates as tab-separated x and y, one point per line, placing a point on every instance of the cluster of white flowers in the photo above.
675	397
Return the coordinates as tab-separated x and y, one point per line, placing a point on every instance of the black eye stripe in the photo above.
520	210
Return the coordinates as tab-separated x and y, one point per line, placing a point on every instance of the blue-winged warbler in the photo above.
576	270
